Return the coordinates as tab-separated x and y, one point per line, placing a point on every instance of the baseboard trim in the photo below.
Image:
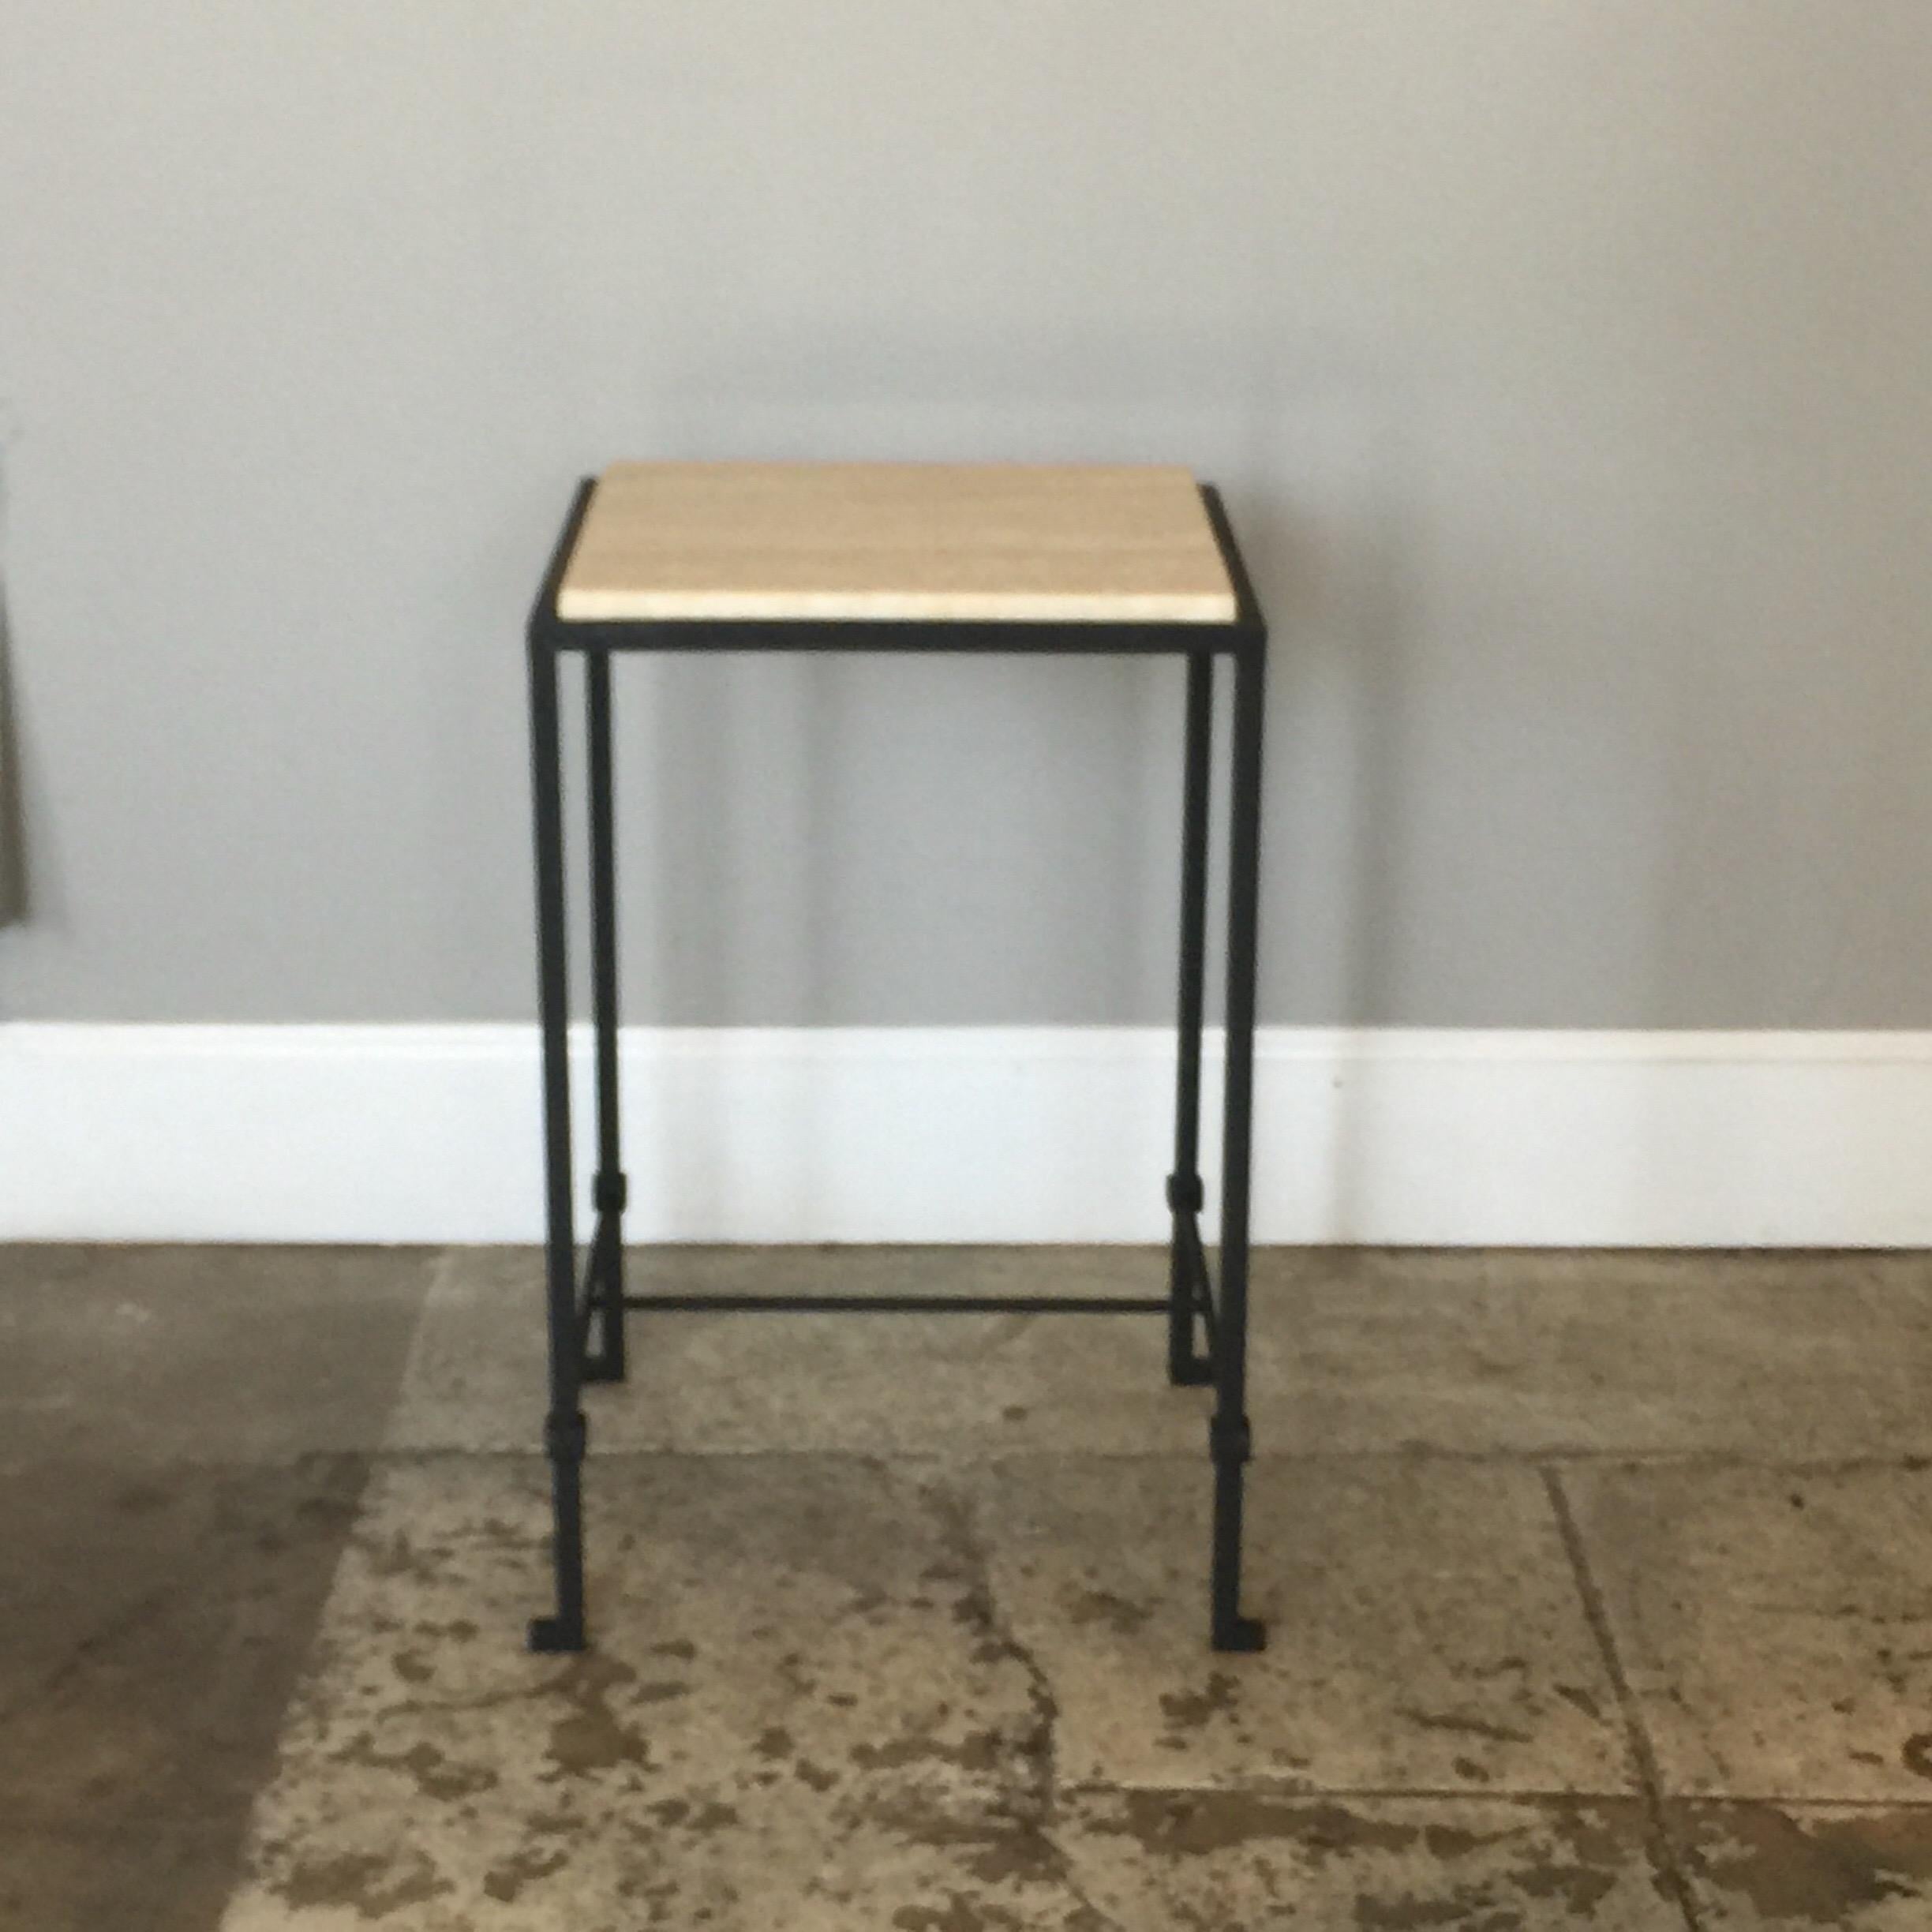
429	1133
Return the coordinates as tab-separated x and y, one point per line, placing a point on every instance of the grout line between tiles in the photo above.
1786	1801
442	1267
1292	1790
1289	1792
1525	1459
1643	1753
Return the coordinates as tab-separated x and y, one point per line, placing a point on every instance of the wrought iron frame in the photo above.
1207	1330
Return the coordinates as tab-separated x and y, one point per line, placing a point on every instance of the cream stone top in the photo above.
967	542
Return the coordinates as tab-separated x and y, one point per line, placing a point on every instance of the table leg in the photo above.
606	1285
563	1427
1228	1433
1186	1273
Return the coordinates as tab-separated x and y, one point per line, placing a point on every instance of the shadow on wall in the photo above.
1316	461
831	749
12	828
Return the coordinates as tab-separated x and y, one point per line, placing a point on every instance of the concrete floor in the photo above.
1600	1589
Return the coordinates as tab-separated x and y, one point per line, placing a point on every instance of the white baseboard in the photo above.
429	1133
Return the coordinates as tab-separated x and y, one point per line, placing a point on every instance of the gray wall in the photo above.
1568	367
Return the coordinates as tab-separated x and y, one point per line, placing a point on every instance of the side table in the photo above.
898	557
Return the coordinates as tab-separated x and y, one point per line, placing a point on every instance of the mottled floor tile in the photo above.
171	1876
803	1710
1235	1862
1425	1628
1776	1626
1785	1358
153	1639
1759	1867
1788	1357
818	1701
82	1549
124	1355
968	1692
946	1385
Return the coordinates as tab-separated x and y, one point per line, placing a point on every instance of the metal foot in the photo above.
1242	1633
551	1636
1228	1435
1190	1371
600	1368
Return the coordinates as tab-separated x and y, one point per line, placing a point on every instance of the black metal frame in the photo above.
1196	1315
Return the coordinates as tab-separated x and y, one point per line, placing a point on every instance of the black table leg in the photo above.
563	1428
1187	1279
606	1291
1228	1433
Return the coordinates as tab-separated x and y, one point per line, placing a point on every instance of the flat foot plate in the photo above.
551	1636
1245	1634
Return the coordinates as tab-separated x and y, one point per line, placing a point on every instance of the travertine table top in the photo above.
1022	543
